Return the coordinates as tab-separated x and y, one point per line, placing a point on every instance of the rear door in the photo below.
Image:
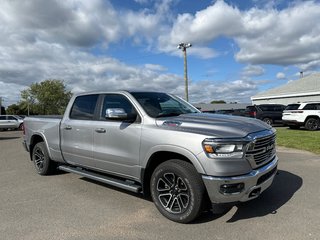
77	131
117	142
12	122
3	122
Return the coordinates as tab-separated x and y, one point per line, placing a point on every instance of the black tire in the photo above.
20	127
177	191
312	124
41	160
268	121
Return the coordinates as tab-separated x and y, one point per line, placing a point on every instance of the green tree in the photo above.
217	101
46	98
14	109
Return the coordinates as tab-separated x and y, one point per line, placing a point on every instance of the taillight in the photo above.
253	114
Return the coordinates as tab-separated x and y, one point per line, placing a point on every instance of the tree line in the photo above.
49	97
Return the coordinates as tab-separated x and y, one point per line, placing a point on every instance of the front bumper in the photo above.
254	182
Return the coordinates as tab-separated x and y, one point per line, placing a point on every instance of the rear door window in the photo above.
266	108
84	107
311	106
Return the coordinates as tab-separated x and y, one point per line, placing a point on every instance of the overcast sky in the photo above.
239	48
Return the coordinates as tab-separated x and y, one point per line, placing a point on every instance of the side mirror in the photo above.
116	114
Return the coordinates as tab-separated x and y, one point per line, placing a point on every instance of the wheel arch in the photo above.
311	116
160	156
36	138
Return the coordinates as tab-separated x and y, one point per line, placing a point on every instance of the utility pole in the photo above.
183	47
0	105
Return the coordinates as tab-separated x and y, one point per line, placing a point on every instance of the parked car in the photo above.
159	145
11	122
305	114
269	113
235	112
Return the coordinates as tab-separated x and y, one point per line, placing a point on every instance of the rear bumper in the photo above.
253	184
292	123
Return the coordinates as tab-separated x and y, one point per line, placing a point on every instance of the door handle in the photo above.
68	128
100	130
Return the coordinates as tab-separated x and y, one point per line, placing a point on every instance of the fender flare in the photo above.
174	149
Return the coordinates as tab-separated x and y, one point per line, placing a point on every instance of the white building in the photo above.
302	90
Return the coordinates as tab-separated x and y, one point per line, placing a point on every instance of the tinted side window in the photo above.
266	108
116	101
311	106
11	118
83	107
250	109
292	107
278	108
2	117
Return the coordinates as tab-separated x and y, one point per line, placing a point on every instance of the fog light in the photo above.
231	188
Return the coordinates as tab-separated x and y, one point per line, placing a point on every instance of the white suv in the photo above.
11	122
305	114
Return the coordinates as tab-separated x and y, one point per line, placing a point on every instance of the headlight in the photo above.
222	148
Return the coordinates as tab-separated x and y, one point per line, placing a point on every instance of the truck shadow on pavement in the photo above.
282	190
8	138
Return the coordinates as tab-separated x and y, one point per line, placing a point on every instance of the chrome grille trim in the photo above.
262	149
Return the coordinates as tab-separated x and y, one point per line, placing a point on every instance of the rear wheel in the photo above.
312	124
268	121
177	190
41	160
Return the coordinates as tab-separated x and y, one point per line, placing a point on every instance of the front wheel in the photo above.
41	160
177	190
312	124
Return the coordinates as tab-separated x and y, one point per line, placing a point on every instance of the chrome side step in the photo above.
124	184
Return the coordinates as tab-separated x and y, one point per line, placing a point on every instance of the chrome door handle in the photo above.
68	128
100	130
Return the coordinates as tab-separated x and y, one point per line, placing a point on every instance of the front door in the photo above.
117	143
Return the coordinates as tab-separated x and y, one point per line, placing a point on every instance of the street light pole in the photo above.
183	47
0	105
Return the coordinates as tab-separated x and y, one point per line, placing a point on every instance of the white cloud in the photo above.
55	39
264	36
281	75
251	71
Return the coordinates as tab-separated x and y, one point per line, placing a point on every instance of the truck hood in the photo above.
214	125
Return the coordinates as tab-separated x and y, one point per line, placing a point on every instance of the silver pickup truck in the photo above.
159	145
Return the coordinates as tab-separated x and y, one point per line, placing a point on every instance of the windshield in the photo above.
162	105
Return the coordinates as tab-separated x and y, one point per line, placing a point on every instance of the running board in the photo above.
124	184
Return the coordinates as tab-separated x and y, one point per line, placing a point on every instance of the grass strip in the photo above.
299	139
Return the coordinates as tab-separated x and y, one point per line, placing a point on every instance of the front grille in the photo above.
261	150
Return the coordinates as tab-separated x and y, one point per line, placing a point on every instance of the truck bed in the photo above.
47	127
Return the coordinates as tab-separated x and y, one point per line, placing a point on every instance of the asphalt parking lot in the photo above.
67	206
